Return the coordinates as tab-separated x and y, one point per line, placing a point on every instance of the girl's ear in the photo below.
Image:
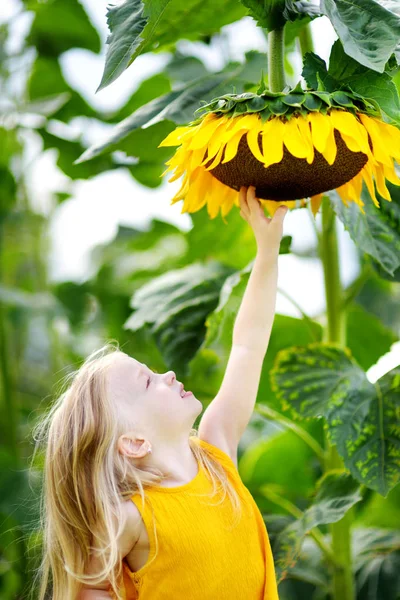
132	446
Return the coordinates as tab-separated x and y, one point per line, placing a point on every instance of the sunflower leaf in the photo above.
313	66
336	493
181	104
323	380
376	233
369	32
138	26
367	83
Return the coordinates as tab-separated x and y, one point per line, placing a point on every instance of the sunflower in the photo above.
311	145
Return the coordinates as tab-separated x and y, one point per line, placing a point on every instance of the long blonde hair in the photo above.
85	478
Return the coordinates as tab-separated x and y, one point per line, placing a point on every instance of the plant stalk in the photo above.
343	583
276	58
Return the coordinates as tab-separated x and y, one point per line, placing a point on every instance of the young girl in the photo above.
136	503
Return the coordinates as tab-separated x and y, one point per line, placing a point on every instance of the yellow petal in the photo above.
343	192
316	203
381	184
330	151
304	127
367	173
196	158
178	173
379	150
232	147
321	129
272	141
348	126
390	174
252	141
390	138
216	160
293	139
173	138
212	199
205	133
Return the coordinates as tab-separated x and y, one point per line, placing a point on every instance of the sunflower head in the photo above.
290	146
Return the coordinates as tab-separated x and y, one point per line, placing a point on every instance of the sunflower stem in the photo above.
343	583
276	57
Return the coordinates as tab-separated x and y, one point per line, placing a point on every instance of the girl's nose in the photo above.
171	376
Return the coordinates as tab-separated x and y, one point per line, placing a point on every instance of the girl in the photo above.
138	504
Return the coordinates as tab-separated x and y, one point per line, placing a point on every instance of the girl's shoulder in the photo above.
132	528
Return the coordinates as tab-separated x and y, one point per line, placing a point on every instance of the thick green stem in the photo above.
335	331
343	583
276	57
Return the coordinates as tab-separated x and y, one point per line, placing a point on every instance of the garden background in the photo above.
93	251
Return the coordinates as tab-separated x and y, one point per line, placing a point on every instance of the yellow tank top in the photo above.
200	556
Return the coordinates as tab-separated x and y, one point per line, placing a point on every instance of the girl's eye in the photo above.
148	383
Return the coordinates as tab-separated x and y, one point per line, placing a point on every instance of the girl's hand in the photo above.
267	231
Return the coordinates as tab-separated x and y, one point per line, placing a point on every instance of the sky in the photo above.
115	198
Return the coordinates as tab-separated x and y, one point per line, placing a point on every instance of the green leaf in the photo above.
46	79
369	84
336	493
378	231
69	150
313	65
59	26
322	380
362	327
175	307
137	27
377	563
273	14
180	104
369	33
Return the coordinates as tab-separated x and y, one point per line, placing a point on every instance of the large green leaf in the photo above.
273	14
175	307
180	104
362	327
283	461
366	82
336	493
46	79
376	556
213	355
378	231
344	72
60	25
137	27
362	418
68	151
369	32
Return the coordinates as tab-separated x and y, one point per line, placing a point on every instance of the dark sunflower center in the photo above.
293	178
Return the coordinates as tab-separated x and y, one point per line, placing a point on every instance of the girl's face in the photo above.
151	401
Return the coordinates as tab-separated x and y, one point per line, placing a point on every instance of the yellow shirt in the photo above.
199	558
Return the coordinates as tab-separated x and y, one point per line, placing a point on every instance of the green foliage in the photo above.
60	25
376	233
273	14
179	104
361	417
369	33
175	306
336	493
347	74
137	27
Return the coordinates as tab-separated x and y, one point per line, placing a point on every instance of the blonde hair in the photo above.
85	478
